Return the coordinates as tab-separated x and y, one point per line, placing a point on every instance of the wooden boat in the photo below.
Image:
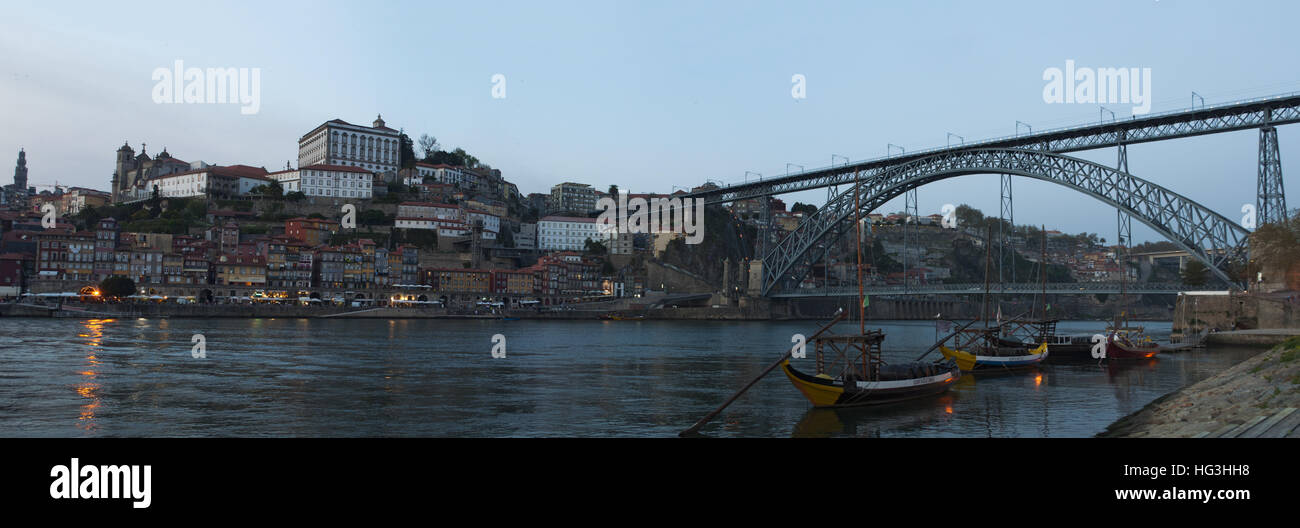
984	349
1121	344
1062	348
850	368
853	374
996	357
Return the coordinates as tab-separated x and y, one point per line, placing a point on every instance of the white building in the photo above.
449	220
428	210
375	148
232	180
567	233
491	222
445	228
440	173
332	181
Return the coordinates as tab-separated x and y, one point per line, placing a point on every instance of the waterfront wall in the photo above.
661	277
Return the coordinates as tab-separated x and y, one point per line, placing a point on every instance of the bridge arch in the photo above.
1205	234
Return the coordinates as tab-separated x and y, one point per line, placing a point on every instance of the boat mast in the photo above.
988	263
857	225
1123	285
1042	267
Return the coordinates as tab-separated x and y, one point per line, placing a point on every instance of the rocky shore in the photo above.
1263	385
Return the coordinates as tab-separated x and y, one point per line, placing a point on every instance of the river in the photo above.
438	378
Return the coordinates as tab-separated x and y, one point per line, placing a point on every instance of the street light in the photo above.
1102	115
833	156
787	168
747	173
889	148
951	135
1026	125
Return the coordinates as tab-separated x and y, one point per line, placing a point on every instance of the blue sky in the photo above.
650	96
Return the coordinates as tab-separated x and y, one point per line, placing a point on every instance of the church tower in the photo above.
20	172
125	164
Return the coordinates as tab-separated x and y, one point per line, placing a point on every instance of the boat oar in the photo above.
696	428
941	341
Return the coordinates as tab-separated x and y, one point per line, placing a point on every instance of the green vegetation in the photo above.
425	239
117	286
1195	273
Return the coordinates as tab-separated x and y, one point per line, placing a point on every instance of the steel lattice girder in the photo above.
1271	198
1227	118
978	289
1206	235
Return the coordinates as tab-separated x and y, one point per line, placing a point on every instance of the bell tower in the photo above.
20	172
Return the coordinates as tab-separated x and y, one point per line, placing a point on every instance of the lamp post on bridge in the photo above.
1102	115
959	138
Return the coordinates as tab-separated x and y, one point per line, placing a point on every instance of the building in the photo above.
376	148
310	231
133	174
566	233
64	254
241	270
14	196
572	198
526	236
512	282
458	281
212	180
437	173
331	181
77	198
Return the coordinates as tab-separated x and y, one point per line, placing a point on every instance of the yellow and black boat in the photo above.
853	374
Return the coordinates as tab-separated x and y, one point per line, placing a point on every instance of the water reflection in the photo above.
88	388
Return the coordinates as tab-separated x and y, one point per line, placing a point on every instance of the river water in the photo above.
436	378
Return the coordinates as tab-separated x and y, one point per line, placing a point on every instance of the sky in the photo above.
649	96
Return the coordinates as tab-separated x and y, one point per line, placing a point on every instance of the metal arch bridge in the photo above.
1204	234
1263	113
978	289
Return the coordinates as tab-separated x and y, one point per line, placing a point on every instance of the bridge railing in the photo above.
1043	133
978	289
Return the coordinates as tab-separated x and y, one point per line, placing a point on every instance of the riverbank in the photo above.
1264	385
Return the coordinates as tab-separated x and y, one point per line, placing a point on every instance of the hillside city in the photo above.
363	219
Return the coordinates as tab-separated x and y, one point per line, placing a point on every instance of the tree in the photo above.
968	216
469	161
428	145
1194	273
117	286
406	156
592	247
806	209
295	196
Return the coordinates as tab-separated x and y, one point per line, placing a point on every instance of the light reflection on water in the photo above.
312	377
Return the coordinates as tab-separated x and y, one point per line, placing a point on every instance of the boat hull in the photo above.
825	392
1118	351
971	362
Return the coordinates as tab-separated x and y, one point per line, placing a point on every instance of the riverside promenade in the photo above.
1255	398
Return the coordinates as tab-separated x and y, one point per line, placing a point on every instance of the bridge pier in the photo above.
1271	199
